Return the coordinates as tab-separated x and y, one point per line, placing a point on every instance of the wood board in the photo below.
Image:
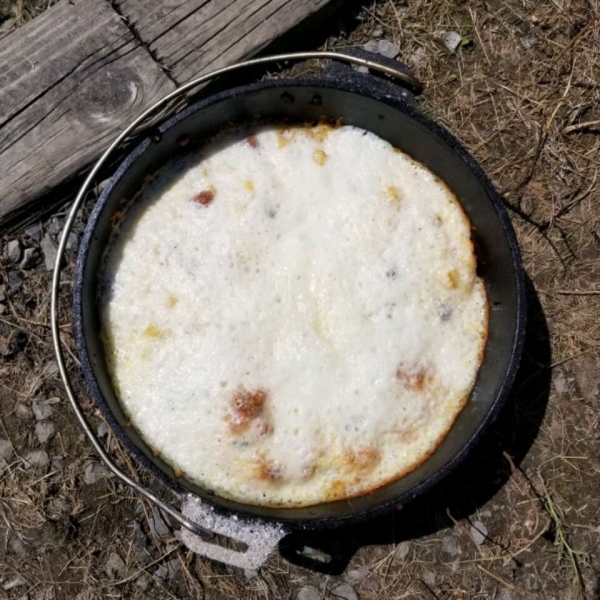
71	78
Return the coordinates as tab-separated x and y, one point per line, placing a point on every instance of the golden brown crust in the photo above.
245	406
413	377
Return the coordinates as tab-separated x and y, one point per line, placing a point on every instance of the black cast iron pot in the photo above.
386	110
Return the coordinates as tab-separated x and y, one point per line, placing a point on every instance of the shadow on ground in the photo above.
469	487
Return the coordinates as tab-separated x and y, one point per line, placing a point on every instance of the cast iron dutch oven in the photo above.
388	111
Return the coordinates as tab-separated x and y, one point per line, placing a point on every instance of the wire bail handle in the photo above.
184	521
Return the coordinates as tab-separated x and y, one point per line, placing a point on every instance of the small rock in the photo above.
73	241
452	40
371	46
41	409
60	506
44	430
528	41
560	383
30	258
100	187
403	549
371	584
308	593
35	232
115	567
479	532
418	56
23	411
345	592
13	251
14	582
357	575
6	449
102	430
388	49
158	524
505	595
161	572
94	472
450	546
139	544
249	574
173	567
587	377
55	226
377	32
50	249
14	281
429	578
143	581
18	547
36	459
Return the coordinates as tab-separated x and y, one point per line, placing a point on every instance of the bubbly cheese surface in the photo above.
293	316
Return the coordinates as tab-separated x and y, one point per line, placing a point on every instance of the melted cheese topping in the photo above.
294	317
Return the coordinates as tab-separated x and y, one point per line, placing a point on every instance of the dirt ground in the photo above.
520	519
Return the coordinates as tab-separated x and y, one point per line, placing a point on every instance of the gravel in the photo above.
60	506
55	226
452	40
388	49
50	249
115	567
14	582
57	463
403	549
35	232
6	449
143	581
450	545
102	430
94	472
308	593
139	544
479	532
73	241
14	281
158	524
18	547
357	575
41	409
23	411
36	459
13	251
30	258
371	46
45	431
345	592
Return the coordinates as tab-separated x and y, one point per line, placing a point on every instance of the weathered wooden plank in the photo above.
190	37
73	76
68	80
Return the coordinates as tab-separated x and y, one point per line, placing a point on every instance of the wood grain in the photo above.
70	79
191	37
